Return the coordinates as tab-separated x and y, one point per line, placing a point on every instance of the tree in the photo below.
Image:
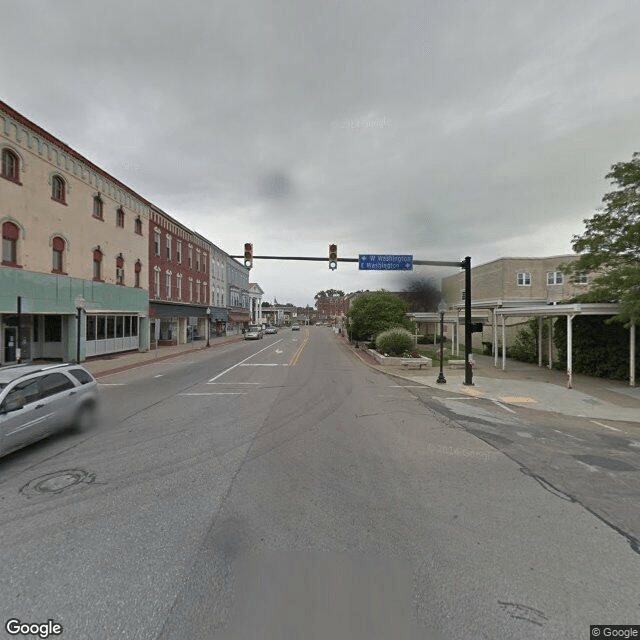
610	246
422	294
376	311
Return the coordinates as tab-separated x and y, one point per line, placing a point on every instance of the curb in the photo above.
144	363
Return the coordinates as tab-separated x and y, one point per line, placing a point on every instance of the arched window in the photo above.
58	255
58	189
139	226
120	270
97	207
10	166
97	265
120	217
10	235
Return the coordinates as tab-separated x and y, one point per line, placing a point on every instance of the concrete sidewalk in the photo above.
527	385
117	362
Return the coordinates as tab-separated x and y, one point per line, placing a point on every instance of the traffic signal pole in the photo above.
464	264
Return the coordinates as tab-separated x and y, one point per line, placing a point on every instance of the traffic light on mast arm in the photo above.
248	255
333	256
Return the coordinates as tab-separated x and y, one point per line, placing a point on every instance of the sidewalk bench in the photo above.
415	362
456	363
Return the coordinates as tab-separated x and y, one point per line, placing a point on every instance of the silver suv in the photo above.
37	400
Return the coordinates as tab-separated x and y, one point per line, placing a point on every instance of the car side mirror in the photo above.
15	404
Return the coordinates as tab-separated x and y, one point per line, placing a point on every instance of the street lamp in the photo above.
81	304
208	324
442	307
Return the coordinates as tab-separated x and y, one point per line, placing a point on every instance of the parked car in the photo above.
295	327
38	400
254	332
271	330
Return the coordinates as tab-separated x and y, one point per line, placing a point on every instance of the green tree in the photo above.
377	311
610	246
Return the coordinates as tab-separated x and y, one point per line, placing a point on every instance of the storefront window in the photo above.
91	328
101	328
119	326
127	326
111	327
134	325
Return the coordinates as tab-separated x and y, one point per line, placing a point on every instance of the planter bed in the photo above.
393	361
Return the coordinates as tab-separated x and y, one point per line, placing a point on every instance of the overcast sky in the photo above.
438	128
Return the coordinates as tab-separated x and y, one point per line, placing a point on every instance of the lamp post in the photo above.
208	325
442	307
80	304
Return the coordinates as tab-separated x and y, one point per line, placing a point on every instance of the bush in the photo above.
394	341
600	347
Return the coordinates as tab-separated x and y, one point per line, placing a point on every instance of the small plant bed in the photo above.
407	361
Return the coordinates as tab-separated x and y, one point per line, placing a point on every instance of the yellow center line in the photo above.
296	356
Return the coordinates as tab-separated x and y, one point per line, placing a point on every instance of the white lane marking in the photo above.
234	383
458	398
158	376
261	364
112	384
216	393
606	426
279	351
569	435
584	464
503	407
243	361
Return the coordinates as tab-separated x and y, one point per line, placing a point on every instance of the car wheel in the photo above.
85	418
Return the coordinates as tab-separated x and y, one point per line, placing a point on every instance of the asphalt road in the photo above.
281	489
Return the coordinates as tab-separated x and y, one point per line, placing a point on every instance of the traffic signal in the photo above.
248	255
333	256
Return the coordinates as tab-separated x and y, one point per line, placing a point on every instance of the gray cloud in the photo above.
440	129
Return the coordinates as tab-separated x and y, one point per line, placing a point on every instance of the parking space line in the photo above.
216	393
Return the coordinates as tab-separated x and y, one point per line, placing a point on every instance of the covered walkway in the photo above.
570	311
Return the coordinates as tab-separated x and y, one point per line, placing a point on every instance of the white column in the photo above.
504	346
632	355
569	351
494	346
495	339
540	341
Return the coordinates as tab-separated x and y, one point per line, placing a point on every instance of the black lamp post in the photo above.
442	307
208	324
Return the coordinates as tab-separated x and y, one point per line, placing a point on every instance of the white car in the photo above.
37	400
295	327
254	332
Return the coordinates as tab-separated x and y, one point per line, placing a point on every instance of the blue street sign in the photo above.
377	262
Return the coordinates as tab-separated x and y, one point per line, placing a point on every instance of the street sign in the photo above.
377	262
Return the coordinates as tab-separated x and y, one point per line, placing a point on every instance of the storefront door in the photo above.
10	344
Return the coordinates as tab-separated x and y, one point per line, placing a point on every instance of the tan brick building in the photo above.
512	282
70	231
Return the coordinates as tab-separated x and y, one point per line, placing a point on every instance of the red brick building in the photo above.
333	307
179	264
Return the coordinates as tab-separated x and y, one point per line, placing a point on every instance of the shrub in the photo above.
394	341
